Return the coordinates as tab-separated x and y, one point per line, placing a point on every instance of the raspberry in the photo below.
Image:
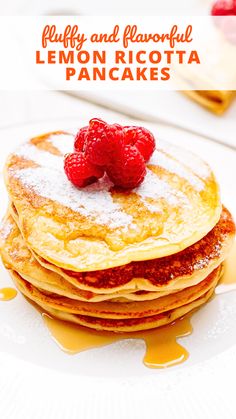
80	139
120	151
221	12
224	8
80	171
129	169
103	142
142	139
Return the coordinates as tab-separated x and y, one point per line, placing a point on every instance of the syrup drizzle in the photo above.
7	294
162	348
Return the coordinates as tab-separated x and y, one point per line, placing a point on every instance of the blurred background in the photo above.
104	7
163	108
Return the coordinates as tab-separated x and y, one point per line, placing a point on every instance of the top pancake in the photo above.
100	227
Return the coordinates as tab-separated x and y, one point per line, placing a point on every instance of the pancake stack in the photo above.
110	259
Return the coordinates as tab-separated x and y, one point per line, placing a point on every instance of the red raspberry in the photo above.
129	169
142	139
80	171
224	8
221	12
103	142
80	139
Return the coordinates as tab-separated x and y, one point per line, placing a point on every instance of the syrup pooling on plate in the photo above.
7	294
162	348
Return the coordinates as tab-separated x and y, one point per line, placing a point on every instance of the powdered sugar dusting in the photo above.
63	142
5	229
190	160
155	188
41	157
201	264
93	201
49	181
161	159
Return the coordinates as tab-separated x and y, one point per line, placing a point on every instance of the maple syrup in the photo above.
162	348
7	294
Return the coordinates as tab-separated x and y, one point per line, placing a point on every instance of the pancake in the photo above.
130	324
167	274
111	310
100	226
16	255
218	70
216	101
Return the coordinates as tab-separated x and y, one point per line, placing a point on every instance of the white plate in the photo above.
112	382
